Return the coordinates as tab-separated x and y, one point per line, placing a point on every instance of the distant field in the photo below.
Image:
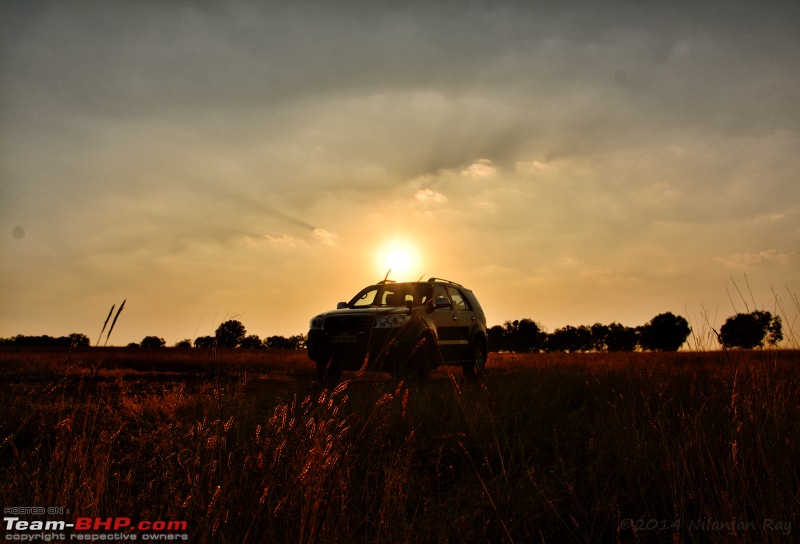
244	446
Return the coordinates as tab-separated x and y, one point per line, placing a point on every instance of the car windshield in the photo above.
392	294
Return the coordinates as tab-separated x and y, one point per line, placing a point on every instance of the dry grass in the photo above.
547	448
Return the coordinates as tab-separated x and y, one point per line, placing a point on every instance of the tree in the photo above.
522	336
599	336
277	342
153	342
230	334
205	342
747	331
298	341
775	331
78	340
621	338
185	343
570	339
280	342
251	342
665	332
495	340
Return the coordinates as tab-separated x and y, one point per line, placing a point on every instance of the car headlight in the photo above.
390	321
317	322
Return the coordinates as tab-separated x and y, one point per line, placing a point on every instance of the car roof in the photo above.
430	280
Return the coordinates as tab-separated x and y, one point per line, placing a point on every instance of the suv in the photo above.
404	328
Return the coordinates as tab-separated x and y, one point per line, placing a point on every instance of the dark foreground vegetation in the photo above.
241	444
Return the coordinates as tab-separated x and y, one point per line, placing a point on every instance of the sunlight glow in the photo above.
399	256
398	260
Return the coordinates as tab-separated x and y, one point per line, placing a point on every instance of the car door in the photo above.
446	320
465	319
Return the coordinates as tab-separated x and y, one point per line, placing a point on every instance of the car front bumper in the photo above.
375	349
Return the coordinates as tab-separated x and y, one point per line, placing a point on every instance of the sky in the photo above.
570	162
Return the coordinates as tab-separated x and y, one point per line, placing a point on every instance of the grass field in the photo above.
245	447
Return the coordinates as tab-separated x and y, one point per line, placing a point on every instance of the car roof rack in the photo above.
382	282
431	280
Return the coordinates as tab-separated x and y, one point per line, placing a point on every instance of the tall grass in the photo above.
547	448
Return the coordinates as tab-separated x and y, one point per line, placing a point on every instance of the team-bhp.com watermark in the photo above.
24	524
731	527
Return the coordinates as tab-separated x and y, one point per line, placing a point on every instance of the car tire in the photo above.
329	373
474	368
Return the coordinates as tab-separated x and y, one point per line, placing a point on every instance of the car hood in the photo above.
375	311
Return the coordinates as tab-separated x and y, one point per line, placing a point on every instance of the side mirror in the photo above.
440	303
341	305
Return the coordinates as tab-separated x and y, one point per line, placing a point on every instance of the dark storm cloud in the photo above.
557	79
162	56
564	72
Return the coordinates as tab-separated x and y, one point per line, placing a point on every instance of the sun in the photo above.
399	256
399	261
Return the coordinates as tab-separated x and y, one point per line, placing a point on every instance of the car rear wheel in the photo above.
474	368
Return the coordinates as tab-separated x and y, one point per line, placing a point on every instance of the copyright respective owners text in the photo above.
709	525
54	524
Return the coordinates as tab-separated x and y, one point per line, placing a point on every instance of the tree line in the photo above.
72	341
665	332
230	334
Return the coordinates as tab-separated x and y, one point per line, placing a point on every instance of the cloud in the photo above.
428	195
532	166
324	237
259	240
596	274
771	256
481	169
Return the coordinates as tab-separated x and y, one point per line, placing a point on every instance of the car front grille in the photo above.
348	324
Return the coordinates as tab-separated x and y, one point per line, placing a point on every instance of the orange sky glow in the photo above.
571	163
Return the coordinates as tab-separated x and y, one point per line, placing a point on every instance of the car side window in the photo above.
439	291
458	300
421	293
394	299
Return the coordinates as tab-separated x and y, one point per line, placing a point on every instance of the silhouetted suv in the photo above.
404	328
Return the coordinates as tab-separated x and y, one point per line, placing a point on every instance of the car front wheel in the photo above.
417	365
329	372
